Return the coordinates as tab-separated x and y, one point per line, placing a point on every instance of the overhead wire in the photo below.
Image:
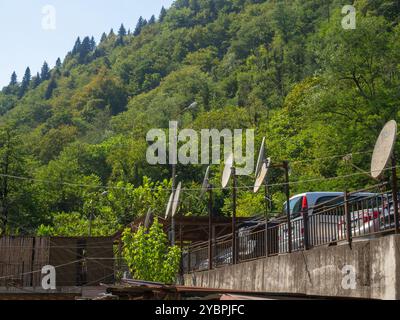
105	187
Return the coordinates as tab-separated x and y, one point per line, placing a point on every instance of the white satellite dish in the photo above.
260	178
226	175
206	183
175	203
148	218
261	157
169	205
384	148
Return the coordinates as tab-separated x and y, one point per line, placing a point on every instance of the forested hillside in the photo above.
285	68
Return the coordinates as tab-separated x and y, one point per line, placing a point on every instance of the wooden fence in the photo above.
78	261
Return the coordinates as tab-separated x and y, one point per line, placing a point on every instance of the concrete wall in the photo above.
316	272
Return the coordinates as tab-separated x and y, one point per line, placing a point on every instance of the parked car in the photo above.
376	215
387	221
365	216
325	211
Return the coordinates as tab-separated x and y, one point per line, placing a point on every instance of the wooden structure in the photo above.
78	261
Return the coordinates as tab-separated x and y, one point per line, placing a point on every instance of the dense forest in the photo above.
73	138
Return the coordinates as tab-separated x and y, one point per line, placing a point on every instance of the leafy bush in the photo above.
148	255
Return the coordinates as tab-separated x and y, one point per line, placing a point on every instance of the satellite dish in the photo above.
206	183
261	157
226	175
169	205
175	203
148	218
384	148
262	175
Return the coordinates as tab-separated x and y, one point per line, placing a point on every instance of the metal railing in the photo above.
365	213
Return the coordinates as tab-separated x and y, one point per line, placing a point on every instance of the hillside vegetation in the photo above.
285	68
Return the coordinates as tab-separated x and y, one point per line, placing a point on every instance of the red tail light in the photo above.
304	205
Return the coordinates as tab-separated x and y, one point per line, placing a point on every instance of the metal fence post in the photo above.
266	195
266	239
395	194
234	238
348	217
305	229
287	189
189	262
210	251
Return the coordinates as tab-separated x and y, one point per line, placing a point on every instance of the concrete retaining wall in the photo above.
316	272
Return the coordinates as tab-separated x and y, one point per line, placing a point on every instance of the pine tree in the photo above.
111	34
36	81
152	19
85	50
92	44
139	26
50	88
77	46
45	72
14	80
121	35
25	83
163	13
103	37
58	63
122	31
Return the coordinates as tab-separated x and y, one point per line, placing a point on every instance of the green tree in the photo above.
162	15
103	37
26	80
50	88
148	255
152	20
77	46
58	63
139	26
45	72
13	81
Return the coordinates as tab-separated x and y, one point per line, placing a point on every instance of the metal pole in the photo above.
305	228
234	249
210	254
173	218
395	194
189	262
287	190
90	223
348	217
266	193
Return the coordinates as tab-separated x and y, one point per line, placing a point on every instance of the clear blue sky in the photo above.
24	42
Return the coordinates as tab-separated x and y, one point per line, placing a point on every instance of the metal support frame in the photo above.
267	208
234	196
306	230
210	222
287	190
348	218
173	218
395	194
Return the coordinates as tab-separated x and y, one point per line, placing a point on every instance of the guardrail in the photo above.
366	213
